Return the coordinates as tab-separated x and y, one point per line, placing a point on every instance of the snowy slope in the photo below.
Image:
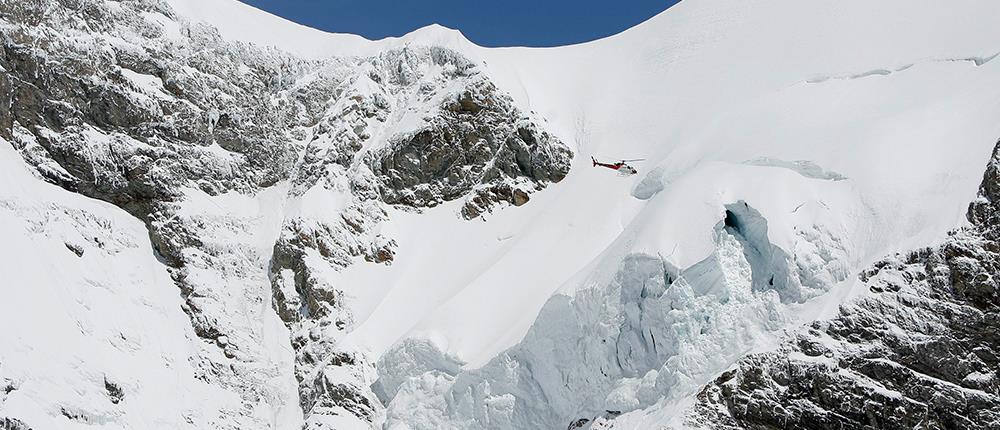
788	145
92	318
900	105
701	84
238	21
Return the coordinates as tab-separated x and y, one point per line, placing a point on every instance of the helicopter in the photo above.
622	166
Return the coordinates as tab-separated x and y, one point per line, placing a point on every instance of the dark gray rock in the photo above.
7	423
478	142
115	392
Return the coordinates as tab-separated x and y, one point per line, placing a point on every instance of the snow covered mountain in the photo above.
216	218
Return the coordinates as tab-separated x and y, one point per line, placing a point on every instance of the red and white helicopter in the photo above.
622	166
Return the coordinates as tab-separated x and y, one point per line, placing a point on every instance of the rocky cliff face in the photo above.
918	351
131	104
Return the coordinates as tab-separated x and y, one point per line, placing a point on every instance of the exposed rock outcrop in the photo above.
13	424
479	142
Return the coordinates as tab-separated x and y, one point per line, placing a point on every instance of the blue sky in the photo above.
487	23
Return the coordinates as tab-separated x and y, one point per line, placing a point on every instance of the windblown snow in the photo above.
787	146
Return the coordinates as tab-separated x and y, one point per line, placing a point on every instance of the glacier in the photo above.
216	218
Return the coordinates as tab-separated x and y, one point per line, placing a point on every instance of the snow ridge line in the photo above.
976	60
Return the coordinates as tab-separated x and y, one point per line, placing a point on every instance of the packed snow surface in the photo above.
846	130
